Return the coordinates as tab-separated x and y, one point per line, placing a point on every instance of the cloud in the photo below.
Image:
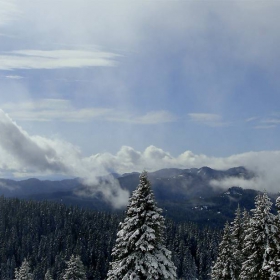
28	154
264	123
265	126
14	77
271	121
17	143
252	119
264	164
8	12
213	120
6	186
25	155
55	59
63	110
52	110
154	117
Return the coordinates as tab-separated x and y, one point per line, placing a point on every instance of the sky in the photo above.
89	87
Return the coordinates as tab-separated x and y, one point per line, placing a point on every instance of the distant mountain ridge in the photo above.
182	193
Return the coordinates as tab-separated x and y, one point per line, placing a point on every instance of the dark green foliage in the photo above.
250	247
47	234
261	243
225	265
193	248
75	269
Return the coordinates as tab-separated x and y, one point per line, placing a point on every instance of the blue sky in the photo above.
111	79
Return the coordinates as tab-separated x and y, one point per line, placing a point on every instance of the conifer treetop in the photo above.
75	269
23	273
139	252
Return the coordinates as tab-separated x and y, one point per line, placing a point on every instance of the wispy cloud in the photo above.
28	154
264	126
213	120
14	77
53	110
271	121
54	59
265	123
154	117
63	110
8	12
252	119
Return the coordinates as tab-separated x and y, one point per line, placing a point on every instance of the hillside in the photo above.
184	194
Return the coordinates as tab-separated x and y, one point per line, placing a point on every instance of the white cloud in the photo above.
54	59
63	110
52	110
15	77
264	123
271	121
265	126
252	119
25	155
213	120
154	117
265	164
8	12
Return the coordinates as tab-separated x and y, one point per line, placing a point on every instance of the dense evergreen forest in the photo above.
250	245
47	234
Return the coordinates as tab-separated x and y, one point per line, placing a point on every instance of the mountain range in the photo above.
184	194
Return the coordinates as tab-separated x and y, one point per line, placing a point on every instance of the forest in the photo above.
48	233
49	240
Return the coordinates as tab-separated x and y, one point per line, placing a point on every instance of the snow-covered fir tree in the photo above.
225	267
75	269
139	252
261	244
48	275
277	272
23	273
237	235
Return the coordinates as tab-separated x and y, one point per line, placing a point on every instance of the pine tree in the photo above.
276	273
23	273
75	269
139	252
261	244
48	275
224	267
237	234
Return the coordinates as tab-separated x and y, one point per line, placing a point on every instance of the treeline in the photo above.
250	247
47	234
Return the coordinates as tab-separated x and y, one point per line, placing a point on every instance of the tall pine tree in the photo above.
75	269
237	234
139	252
261	246
23	273
225	267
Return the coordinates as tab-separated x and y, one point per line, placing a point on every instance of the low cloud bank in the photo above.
23	155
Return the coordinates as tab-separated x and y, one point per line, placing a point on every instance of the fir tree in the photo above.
237	234
23	273
48	275
75	269
261	244
139	252
224	267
